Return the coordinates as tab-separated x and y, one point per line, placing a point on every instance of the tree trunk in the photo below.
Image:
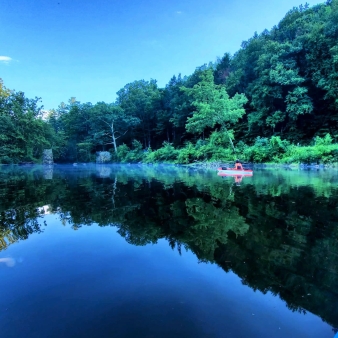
114	190
232	144
113	137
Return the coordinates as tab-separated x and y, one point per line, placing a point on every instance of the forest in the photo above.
274	101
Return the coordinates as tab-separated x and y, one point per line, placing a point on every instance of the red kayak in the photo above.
234	172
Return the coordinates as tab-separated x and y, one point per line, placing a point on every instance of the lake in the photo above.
165	251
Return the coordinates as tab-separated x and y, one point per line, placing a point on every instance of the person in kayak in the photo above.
238	165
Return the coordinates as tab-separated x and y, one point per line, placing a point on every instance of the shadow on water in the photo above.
278	231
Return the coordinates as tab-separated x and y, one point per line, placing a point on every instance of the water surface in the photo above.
162	251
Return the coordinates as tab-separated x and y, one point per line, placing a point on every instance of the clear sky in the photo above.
90	49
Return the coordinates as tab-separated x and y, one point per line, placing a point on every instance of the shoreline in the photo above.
215	165
196	165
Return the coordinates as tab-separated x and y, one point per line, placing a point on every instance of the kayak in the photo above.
234	172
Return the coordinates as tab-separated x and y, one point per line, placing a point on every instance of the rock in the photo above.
48	172
103	171
48	157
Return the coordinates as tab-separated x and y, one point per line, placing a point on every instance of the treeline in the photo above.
273	100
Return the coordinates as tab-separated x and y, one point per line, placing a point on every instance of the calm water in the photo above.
141	251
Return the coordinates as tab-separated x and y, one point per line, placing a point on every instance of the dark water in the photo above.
127	251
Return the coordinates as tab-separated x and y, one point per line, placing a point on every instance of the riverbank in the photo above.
215	165
265	151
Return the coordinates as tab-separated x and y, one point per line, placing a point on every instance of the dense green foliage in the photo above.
23	133
277	231
276	99
290	76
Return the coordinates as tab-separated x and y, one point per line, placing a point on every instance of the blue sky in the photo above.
91	48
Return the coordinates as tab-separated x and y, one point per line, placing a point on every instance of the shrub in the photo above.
187	154
326	140
127	155
217	148
103	157
122	152
167	153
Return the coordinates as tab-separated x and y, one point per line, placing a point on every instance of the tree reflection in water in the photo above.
277	231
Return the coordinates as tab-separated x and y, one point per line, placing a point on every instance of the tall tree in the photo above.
213	106
141	99
110	123
23	132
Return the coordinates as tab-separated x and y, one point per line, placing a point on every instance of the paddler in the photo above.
238	165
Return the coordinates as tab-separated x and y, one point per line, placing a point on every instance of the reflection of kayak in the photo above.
237	174
234	172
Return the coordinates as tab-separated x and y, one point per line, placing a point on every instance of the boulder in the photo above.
47	157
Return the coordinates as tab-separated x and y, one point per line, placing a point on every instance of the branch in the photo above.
120	133
104	122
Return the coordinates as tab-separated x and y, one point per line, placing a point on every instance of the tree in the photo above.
75	119
4	92
113	118
213	106
141	100
23	132
223	69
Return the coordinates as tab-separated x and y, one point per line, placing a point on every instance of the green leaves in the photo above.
290	75
141	99
275	118
284	76
298	103
24	134
213	106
